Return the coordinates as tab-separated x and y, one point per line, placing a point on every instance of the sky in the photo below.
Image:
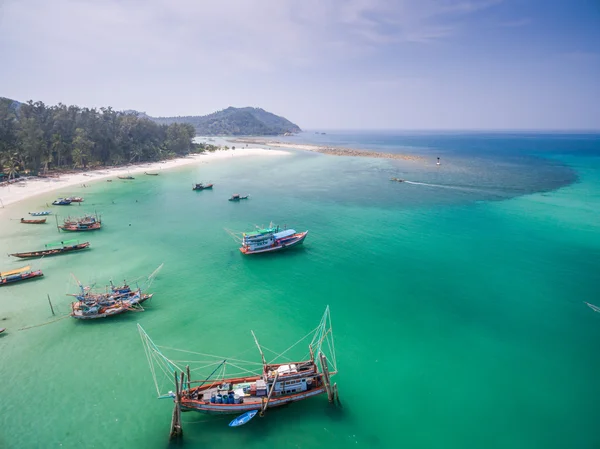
323	64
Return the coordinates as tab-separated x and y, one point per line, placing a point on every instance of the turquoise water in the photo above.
457	303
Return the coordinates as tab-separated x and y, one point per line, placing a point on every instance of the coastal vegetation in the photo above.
235	122
36	138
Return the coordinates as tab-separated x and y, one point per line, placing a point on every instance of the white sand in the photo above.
20	191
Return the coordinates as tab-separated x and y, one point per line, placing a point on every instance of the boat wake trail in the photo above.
464	189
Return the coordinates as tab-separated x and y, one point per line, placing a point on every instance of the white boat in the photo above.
271	239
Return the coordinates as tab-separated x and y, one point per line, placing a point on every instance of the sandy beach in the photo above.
19	191
331	150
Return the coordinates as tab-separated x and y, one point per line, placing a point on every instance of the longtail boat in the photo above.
2	329
61	202
39	214
237	197
75	199
202	186
150	174
40	221
126	177
271	239
20	274
65	247
249	385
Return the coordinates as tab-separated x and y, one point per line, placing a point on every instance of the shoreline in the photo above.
331	150
32	187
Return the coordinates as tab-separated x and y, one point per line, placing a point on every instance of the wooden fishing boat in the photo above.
252	386
81	227
201	186
65	247
61	202
21	274
237	197
126	177
39	214
75	199
271	239
85	311
85	223
150	174
40	221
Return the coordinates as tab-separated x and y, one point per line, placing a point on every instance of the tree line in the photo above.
35	137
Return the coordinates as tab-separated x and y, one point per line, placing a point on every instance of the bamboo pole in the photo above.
51	308
326	379
266	404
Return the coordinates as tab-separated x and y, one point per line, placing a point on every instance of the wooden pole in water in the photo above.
176	430
51	308
188	376
326	379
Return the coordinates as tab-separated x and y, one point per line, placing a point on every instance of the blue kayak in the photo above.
243	419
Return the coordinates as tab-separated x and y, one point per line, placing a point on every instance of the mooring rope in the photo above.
43	324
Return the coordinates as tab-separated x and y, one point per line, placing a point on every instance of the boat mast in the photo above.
259	349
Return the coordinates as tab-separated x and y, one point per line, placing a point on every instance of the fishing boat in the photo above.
61	202
40	221
126	177
18	275
237	197
39	214
86	223
66	246
85	311
75	199
237	386
201	186
91	305
150	174
271	239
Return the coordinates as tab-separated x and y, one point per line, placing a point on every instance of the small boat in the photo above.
39	214
40	221
21	274
2	329
109	180
65	247
126	177
61	202
201	186
254	387
237	197
397	179
243	419
75	199
150	174
271	239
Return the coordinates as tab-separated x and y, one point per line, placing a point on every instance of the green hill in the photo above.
235	122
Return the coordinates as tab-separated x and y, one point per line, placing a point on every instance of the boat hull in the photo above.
232	409
297	239
19	278
51	252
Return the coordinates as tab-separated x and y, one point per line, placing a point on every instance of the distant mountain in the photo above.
228	122
235	122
